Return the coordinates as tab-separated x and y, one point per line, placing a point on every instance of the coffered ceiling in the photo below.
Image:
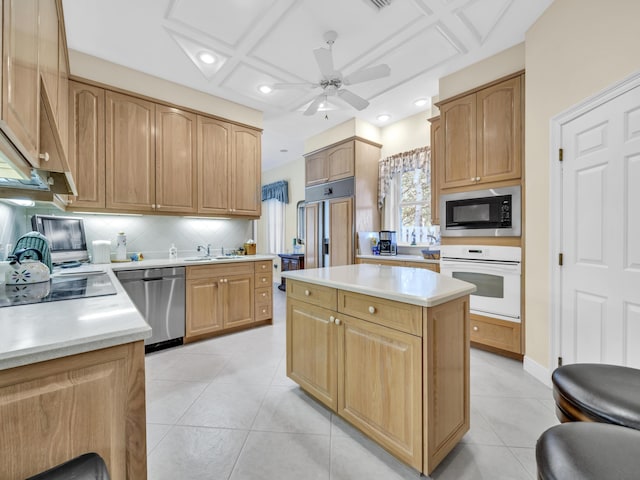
262	42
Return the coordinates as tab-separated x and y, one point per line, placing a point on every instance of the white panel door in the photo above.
600	312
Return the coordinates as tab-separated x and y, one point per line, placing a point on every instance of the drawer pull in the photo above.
332	319
338	321
307	293
476	328
372	309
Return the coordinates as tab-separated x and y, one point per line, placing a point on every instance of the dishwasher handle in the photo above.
154	279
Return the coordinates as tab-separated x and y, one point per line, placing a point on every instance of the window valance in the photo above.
420	158
278	190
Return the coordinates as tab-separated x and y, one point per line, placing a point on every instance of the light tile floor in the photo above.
225	409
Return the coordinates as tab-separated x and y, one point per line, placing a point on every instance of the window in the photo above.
413	204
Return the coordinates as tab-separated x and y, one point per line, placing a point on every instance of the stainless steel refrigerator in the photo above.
329	227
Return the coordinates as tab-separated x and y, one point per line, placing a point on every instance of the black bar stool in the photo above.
89	466
588	451
597	393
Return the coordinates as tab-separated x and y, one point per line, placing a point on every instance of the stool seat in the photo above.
89	466
597	393
587	450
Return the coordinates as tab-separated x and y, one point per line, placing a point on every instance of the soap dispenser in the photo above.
173	252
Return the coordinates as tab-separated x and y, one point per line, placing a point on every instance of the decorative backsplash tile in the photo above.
149	234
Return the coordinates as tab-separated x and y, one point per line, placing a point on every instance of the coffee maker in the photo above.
388	245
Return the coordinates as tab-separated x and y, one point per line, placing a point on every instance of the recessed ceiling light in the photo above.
265	89
384	117
421	102
284	150
206	57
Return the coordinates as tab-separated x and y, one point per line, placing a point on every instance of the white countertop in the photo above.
417	286
44	331
404	258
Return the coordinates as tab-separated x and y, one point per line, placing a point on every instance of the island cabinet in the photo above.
58	409
398	372
390	261
227	297
481	136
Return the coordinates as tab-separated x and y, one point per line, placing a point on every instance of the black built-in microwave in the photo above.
492	212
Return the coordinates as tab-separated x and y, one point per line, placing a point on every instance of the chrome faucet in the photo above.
432	239
202	248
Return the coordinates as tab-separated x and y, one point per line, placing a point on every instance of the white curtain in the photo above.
390	207
275	212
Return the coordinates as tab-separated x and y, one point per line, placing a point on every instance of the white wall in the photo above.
575	49
406	134
98	70
11	226
350	128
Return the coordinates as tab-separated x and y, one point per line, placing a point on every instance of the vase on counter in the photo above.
121	246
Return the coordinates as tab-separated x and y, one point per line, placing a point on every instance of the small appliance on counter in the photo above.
388	244
101	251
26	271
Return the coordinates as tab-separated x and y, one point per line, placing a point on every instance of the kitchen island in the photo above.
72	381
387	349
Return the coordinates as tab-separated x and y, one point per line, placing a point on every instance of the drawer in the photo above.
263	280
496	333
264	296
207	271
263	266
263	312
397	315
315	294
434	267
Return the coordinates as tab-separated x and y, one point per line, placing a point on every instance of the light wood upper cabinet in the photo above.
499	132
459	156
175	161
49	51
214	164
63	90
482	136
20	75
436	150
130	153
331	164
87	144
246	159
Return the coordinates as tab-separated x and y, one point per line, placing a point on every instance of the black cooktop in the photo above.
63	287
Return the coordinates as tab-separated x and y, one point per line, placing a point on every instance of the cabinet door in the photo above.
87	144
63	91
214	165
20	77
316	169
341	161
204	306
499	121
130	153
49	51
238	300
341	231
312	350
436	165
312	246
175	160
245	172
459	129
386	407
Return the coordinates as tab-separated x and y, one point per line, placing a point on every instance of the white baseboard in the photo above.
538	371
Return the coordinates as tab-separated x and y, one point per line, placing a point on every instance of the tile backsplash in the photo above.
152	235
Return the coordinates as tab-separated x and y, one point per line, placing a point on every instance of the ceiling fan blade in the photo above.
352	99
324	57
277	86
313	108
367	74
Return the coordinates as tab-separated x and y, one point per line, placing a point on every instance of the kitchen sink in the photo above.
198	259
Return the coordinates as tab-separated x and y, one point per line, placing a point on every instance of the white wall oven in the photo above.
494	212
495	270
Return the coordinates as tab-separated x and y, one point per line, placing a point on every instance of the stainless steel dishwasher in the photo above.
159	295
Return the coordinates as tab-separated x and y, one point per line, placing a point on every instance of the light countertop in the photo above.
417	286
183	262
403	258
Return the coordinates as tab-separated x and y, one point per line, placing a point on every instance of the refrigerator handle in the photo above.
325	246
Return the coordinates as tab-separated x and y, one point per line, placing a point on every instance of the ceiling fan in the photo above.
332	80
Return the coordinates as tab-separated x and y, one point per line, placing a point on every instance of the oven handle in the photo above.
480	267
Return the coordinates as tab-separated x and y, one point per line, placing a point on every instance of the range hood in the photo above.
17	171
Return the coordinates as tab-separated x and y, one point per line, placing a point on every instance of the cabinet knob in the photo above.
264	295
158	206
307	293
264	266
372	309
264	310
332	319
338	321
264	279
476	328
44	156
477	179
472	179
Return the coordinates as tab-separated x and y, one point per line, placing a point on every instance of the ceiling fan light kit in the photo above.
332	81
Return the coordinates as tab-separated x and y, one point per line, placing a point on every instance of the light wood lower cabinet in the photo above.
226	297
398	372
91	402
435	267
496	333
